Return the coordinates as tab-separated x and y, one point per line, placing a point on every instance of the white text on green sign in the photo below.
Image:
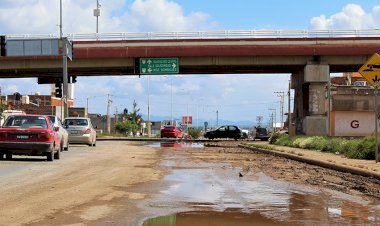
159	66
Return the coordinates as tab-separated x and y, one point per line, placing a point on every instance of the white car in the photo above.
63	134
80	130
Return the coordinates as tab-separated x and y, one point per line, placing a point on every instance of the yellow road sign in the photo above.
371	70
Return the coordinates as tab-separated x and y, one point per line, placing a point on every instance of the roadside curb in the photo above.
346	169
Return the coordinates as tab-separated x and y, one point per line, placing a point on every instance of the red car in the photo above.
171	131
29	135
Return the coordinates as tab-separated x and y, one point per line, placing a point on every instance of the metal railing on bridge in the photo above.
223	34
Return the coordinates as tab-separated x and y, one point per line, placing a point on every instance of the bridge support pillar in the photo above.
316	78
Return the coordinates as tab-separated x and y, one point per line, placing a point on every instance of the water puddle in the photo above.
218	196
174	144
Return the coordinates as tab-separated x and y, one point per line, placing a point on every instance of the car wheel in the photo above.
57	155
50	156
94	144
67	146
8	156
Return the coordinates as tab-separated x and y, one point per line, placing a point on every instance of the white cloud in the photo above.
164	15
12	89
42	16
352	16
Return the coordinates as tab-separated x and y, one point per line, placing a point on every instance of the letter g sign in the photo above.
355	124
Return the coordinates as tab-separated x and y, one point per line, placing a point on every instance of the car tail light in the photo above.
44	136
88	131
3	134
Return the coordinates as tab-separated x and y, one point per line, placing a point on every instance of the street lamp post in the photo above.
148	126
171	96
97	14
60	19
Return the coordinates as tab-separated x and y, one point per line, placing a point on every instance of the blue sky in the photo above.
236	97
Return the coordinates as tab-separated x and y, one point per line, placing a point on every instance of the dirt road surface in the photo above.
76	189
117	183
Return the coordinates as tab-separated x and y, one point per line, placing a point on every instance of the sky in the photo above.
235	97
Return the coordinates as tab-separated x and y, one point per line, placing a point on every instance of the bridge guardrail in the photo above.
221	34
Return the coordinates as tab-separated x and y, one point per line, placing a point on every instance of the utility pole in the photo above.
87	107
289	111
65	78
60	20
64	64
274	122
108	114
116	115
171	102
217	118
281	95
148	126
97	14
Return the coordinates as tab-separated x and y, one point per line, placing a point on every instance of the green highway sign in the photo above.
149	66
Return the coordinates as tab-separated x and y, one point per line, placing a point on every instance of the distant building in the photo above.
36	104
351	106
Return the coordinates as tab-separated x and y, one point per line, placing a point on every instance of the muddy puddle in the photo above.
218	194
175	144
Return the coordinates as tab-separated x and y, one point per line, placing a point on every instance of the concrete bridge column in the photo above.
297	83
316	78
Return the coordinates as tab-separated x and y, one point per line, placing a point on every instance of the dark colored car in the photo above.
260	133
30	135
171	131
228	131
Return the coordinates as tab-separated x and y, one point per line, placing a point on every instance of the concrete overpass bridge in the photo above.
309	56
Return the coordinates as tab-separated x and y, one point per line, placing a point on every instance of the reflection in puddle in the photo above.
175	144
226	199
200	218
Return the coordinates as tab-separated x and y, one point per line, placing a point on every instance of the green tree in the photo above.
133	122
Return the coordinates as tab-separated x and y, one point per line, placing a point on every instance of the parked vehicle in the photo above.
171	131
33	135
244	134
7	113
62	131
228	131
80	130
260	133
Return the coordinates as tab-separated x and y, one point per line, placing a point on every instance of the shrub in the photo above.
194	133
334	145
284	140
365	149
274	137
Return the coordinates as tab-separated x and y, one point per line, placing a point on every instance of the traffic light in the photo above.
73	79
125	111
2	46
58	90
137	66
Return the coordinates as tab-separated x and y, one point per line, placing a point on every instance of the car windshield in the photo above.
76	122
52	118
261	130
169	127
24	121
